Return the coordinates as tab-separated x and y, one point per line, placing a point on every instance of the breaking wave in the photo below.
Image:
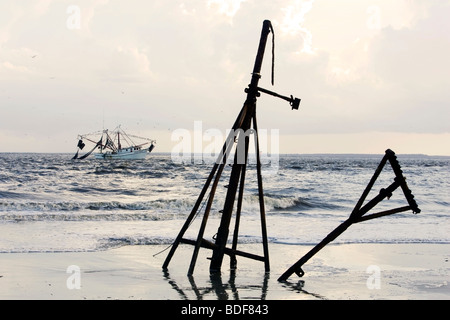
141	210
108	210
289	203
146	202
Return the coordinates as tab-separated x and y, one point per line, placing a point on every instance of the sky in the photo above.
372	74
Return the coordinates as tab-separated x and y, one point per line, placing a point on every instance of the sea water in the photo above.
50	203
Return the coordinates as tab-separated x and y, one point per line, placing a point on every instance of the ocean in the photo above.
50	203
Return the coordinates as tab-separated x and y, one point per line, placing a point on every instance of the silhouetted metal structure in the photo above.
359	212
244	125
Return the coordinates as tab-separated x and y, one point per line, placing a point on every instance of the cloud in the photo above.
293	23
398	14
15	68
391	80
412	65
128	64
9	17
88	12
42	6
186	11
359	66
228	8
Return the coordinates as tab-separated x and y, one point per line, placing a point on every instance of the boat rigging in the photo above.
116	144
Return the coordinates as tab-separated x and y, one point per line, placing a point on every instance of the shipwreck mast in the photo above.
245	123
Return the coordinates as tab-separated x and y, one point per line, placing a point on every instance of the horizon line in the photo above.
252	153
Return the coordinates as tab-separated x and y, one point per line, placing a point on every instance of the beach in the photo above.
338	272
100	231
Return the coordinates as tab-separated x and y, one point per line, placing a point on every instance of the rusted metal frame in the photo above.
233	261
294	102
242	122
296	268
252	93
262	209
384	193
369	186
211	198
383	213
228	251
223	231
357	214
190	217
401	179
221	160
253	89
205	220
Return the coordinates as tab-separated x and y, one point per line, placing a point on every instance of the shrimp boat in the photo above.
116	144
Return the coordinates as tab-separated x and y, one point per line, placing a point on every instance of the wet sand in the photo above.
338	272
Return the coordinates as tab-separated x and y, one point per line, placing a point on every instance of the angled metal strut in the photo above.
359	213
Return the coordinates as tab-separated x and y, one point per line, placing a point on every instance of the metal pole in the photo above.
262	209
223	231
205	220
250	103
233	261
221	159
354	217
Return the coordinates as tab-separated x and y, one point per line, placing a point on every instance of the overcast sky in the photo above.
372	74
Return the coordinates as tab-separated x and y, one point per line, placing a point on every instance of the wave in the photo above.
109	243
294	203
103	191
17	217
296	242
116	242
15	208
69	208
12	195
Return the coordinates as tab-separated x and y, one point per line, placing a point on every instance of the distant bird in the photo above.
34	56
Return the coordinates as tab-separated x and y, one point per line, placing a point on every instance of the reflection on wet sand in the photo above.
219	288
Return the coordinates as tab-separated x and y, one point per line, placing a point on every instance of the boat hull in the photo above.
123	154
